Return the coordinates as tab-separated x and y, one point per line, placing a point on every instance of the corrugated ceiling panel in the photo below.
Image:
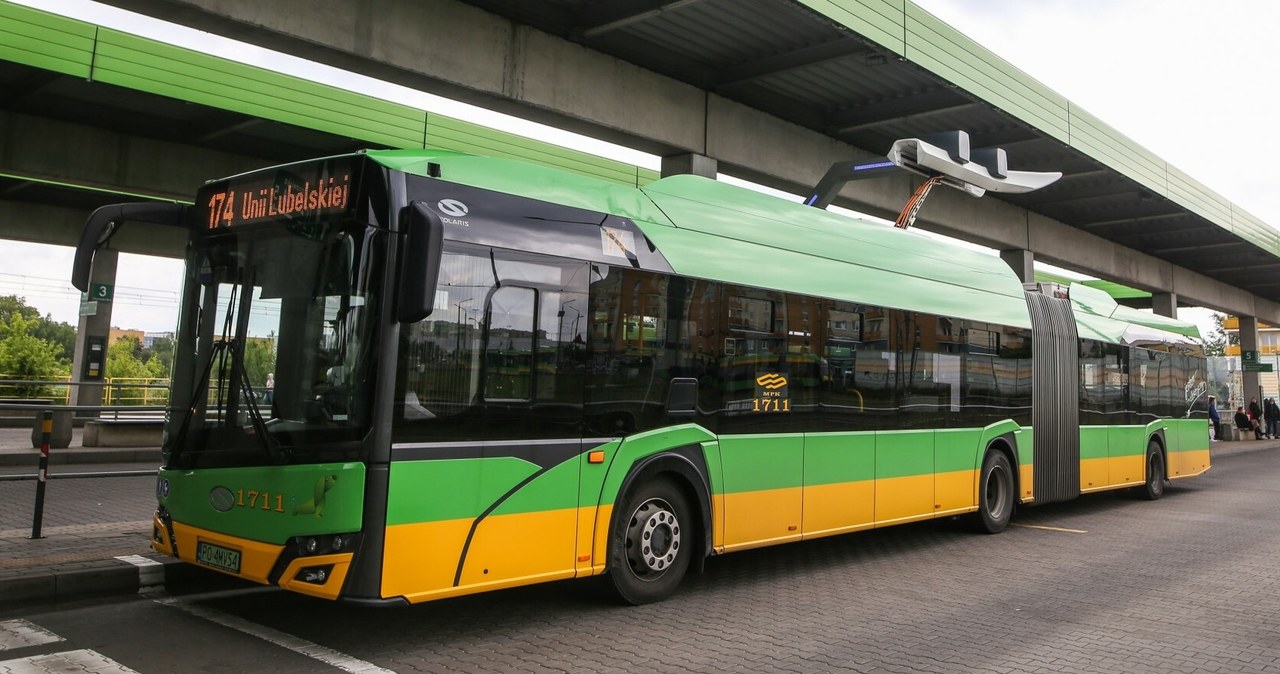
956	58
1097	139
150	66
44	40
881	21
1251	228
1196	197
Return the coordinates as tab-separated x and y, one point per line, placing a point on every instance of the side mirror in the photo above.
105	221
419	262
682	397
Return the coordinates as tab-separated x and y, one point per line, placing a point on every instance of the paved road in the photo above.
1103	584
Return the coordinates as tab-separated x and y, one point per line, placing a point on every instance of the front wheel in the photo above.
650	544
995	493
1154	488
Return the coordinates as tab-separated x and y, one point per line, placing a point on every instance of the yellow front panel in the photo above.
757	518
904	498
522	546
331	586
955	491
1094	474
256	559
837	508
422	557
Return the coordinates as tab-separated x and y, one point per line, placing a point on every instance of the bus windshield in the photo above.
283	320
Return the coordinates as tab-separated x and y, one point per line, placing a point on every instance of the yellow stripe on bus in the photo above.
1188	464
831	509
422	556
904	499
956	491
1026	482
421	559
755	519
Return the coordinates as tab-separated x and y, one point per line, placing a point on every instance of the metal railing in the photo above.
115	391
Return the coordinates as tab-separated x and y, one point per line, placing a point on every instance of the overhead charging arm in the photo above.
103	224
944	158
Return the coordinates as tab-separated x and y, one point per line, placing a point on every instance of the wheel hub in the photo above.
653	537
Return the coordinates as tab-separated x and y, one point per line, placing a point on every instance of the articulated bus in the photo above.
489	374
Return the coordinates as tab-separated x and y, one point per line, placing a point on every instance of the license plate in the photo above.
218	557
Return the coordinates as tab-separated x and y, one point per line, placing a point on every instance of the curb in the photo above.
110	577
80	580
62	457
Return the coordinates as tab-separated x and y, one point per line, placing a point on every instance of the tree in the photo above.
63	335
25	356
1215	343
11	305
260	359
123	363
161	350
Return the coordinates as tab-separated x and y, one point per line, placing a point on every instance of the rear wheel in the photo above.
1154	488
651	542
995	493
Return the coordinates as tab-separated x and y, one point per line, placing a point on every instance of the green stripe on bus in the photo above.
833	458
267	504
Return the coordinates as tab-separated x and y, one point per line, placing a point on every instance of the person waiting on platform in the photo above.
1215	422
1245	424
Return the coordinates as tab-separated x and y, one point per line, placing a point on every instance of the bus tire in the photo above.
1154	488
651	542
995	493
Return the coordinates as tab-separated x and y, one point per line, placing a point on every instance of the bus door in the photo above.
761	443
494	371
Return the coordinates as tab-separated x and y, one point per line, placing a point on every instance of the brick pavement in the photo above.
86	524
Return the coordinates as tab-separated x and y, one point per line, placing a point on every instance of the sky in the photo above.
1187	80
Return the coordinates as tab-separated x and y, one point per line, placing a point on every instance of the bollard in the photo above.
46	429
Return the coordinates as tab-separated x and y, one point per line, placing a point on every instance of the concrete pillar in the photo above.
94	325
1022	262
1249	342
695	164
1165	304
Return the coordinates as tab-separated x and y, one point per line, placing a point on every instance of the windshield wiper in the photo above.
179	439
277	453
233	347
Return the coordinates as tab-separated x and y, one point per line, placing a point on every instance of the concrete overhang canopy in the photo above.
859	78
71	108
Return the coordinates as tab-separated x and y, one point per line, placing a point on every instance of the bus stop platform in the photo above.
95	525
96	530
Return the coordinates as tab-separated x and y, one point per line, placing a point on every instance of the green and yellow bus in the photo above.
490	374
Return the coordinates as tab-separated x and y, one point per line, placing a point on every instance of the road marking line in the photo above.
83	660
1064	530
20	634
298	645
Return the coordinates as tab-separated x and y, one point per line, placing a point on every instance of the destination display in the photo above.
294	193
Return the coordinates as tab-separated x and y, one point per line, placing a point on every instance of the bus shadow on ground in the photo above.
865	558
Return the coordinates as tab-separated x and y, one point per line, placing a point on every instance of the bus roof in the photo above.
713	230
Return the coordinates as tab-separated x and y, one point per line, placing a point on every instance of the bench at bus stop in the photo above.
126	432
1232	433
